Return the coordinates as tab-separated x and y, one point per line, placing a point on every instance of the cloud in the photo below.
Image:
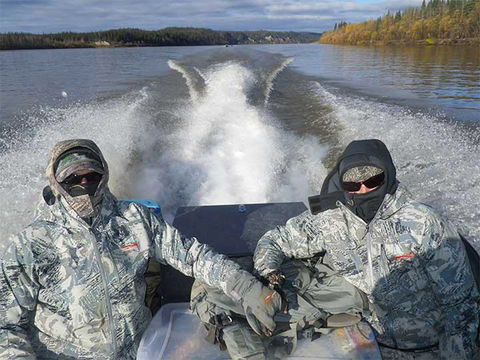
44	16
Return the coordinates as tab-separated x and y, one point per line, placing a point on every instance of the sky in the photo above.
47	16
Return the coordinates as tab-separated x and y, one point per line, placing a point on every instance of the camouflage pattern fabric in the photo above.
409	261
74	161
241	341
389	354
85	206
73	290
361	173
313	290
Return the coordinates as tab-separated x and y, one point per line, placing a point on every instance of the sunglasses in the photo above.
76	179
370	183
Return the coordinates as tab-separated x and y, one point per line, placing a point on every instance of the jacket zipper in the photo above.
107	296
369	258
389	330
370	281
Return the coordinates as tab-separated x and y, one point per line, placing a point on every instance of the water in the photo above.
214	125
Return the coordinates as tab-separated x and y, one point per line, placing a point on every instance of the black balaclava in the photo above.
370	152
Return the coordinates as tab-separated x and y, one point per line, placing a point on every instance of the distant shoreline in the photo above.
119	46
151	38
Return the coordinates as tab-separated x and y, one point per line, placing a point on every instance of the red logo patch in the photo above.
408	256
269	297
130	247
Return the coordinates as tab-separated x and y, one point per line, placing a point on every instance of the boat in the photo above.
176	334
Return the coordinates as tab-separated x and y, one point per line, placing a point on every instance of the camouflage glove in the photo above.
260	304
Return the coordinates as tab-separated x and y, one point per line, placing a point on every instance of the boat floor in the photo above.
177	334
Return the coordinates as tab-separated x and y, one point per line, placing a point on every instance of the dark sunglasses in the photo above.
76	179
370	183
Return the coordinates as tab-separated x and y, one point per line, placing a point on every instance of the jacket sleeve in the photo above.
453	282
195	259
18	293
289	241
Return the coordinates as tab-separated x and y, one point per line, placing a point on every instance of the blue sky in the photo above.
45	16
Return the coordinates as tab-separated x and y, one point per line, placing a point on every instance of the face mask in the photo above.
366	205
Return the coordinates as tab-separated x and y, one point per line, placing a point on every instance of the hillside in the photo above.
137	37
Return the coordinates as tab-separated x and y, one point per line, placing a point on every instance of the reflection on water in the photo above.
446	78
448	73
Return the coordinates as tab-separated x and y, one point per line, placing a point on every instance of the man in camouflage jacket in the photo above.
72	283
409	260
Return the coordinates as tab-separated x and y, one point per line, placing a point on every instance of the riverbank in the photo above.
436	22
423	42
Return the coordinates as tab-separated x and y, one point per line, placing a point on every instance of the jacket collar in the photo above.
394	202
391	204
62	214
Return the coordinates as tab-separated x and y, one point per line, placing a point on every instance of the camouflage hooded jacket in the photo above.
408	260
73	290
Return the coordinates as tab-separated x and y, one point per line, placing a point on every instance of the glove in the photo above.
259	302
275	278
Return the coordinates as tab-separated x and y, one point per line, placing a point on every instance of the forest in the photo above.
435	22
136	37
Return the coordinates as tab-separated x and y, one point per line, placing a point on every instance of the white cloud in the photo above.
89	15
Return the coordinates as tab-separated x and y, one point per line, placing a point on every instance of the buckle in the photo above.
308	333
225	319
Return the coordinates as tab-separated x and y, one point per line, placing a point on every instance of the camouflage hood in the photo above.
85	206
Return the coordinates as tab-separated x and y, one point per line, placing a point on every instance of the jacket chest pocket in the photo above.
129	262
404	266
406	277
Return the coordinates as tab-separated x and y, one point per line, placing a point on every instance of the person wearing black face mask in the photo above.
411	263
364	187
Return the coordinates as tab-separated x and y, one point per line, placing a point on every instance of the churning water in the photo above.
225	126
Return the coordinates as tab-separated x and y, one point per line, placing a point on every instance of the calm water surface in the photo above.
443	78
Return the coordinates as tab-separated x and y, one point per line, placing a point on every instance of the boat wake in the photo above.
436	159
224	150
239	127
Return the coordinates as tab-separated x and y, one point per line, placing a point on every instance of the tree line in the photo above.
438	21
174	36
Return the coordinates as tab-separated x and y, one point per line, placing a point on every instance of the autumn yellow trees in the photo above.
437	20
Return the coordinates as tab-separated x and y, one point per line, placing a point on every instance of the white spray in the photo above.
226	151
114	126
438	161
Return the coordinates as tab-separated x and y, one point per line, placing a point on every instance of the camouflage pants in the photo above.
312	292
390	354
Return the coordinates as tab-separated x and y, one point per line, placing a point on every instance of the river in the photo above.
242	124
